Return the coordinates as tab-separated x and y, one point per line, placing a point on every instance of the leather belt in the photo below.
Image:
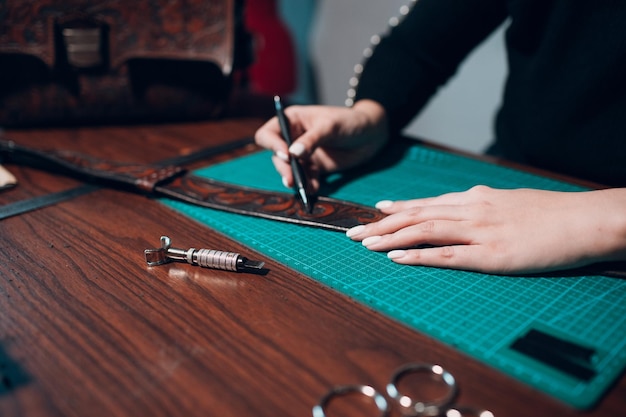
175	182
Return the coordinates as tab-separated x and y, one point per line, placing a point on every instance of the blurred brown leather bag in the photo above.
67	62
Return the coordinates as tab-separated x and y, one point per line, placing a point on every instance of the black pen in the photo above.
299	179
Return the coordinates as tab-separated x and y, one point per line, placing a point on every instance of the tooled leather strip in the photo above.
142	177
327	213
169	181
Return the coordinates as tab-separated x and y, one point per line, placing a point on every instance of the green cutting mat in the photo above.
481	315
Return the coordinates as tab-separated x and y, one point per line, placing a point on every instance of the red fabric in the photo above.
274	68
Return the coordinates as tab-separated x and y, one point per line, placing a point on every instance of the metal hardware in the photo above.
84	40
423	407
379	400
207	258
83	47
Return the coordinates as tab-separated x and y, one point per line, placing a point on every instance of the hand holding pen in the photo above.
326	139
299	177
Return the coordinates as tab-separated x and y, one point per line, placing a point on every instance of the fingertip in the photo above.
354	231
297	149
371	240
282	156
315	184
384	204
396	255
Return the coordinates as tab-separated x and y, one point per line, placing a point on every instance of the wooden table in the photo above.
87	329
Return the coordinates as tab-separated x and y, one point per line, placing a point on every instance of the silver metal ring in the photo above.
467	412
320	409
412	407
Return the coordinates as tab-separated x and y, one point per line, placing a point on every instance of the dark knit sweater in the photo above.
564	102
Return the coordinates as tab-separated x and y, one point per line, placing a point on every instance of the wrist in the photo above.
620	222
372	110
612	224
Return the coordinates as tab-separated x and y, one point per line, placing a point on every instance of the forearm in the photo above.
607	231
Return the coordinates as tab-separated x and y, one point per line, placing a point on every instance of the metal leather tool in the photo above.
207	258
174	182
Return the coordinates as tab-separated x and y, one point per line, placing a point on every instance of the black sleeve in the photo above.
422	52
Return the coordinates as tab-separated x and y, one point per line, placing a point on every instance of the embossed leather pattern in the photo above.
327	213
174	182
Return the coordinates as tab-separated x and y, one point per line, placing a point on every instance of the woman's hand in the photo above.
326	138
502	231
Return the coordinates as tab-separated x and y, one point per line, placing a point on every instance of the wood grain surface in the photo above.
87	329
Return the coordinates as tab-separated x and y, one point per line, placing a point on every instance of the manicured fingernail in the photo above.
355	230
282	155
384	204
396	254
297	149
370	240
285	182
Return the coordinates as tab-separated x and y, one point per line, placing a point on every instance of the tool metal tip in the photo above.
305	200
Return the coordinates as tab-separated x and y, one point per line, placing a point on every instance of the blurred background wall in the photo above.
329	37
